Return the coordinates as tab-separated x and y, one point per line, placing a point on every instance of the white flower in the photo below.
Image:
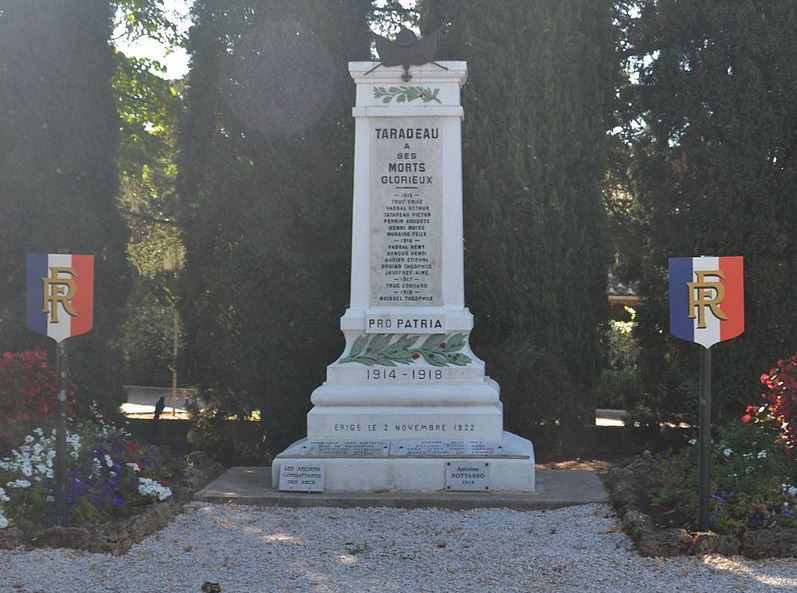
18	484
790	490
3	496
108	461
134	467
762	454
3	521
150	487
727	451
693	441
28	440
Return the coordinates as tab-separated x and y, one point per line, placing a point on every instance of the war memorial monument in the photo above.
407	406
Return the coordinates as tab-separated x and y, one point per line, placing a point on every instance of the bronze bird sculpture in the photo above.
406	50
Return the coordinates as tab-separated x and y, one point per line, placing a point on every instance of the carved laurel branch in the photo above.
406	94
438	350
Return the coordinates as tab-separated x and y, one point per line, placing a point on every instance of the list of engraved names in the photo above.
406	196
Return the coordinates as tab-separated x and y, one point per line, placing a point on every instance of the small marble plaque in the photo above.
468	475
487	449
342	449
302	477
445	449
427	448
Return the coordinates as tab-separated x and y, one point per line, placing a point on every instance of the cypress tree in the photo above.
534	149
265	185
58	177
715	173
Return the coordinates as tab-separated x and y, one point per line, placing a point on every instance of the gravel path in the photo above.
324	550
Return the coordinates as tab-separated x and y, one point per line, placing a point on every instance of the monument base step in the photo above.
510	467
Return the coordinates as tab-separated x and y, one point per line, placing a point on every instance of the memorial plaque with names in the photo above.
468	475
301	477
343	449
445	449
406	212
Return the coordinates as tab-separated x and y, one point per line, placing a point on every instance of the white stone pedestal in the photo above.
407	374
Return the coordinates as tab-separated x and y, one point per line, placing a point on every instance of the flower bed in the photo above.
116	490
752	500
753	490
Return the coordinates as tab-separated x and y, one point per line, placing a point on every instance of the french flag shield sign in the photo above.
706	298
60	294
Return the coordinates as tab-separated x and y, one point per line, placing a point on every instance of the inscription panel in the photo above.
445	449
406	212
404	324
468	475
302	477
342	449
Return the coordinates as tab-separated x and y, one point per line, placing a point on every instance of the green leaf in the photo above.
386	99
378	342
394	90
405	342
359	345
402	358
433	341
454	342
458	359
435	358
400	99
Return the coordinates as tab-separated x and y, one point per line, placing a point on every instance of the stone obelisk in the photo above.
408	398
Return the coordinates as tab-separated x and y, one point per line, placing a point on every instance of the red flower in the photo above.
130	446
747	418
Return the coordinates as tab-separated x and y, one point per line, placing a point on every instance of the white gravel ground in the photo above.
323	550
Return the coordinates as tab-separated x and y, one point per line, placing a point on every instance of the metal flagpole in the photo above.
62	369
704	463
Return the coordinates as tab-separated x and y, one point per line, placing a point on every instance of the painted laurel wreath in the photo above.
406	94
438	350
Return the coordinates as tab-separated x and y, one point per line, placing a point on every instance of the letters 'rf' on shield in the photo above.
60	294
706	298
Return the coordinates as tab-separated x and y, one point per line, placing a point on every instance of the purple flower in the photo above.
721	495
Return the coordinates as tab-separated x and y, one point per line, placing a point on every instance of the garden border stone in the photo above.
624	485
118	536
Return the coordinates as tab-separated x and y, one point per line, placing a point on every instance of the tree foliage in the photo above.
713	171
58	177
265	187
149	107
534	147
